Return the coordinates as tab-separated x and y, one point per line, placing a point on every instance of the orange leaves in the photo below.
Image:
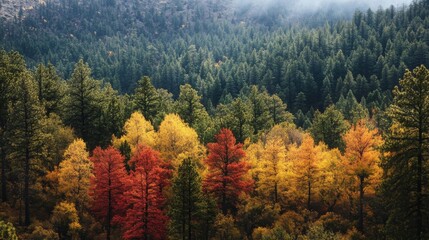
143	198
107	185
362	154
226	170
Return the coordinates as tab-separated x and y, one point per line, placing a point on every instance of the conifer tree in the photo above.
24	134
406	184
146	97
186	205
83	103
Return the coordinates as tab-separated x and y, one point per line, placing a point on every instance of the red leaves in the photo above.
107	186
143	198
226	172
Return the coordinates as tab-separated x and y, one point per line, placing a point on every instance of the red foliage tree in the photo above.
143	199
106	185
226	172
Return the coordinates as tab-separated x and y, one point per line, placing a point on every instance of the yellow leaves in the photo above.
75	173
177	141
65	219
362	154
138	131
269	168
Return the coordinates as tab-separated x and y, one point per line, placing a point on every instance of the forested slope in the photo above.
187	120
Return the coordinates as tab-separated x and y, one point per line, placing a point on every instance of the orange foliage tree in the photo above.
226	171
106	185
362	158
143	200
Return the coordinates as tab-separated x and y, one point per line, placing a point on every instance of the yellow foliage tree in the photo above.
66	220
138	131
272	170
332	182
362	159
74	174
306	160
177	141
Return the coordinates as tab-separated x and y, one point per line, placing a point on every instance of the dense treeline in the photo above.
221	53
80	161
195	123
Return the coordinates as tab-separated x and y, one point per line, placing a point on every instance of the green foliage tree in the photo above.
406	165
24	135
329	127
11	66
50	87
83	103
146	98
186	205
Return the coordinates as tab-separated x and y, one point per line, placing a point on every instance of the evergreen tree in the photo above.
11	66
146	98
83	103
329	127
406	181
186	205
50	88
24	135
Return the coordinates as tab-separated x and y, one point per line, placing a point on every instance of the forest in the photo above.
183	119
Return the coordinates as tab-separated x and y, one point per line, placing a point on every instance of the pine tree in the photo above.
50	88
407	140
11	66
24	134
187	202
146	98
83	103
329	127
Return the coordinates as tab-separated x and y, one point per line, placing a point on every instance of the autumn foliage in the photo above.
106	185
226	171
143	199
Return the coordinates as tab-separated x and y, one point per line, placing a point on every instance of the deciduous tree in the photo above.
226	170
137	131
143	200
75	172
362	158
177	141
107	184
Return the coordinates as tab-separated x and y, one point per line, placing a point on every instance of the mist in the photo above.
299	6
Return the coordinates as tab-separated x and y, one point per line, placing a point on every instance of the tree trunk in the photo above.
109	211
275	192
361	203
189	208
419	218
3	176
309	195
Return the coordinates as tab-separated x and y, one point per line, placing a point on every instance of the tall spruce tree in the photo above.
24	135
186	205
82	105
50	88
406	183
146	98
11	66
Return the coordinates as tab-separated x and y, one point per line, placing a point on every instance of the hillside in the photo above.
188	119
